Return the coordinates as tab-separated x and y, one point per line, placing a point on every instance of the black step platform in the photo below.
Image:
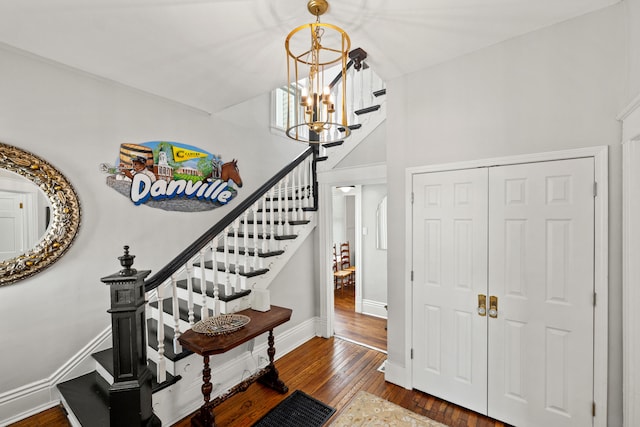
88	398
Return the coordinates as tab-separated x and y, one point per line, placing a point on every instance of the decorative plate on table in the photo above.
220	325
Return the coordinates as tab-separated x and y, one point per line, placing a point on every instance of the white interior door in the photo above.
541	269
450	270
13	238
523	234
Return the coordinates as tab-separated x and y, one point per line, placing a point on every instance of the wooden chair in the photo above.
345	262
340	277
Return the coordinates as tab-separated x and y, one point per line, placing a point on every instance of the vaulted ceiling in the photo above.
212	54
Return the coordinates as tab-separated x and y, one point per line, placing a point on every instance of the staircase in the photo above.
219	273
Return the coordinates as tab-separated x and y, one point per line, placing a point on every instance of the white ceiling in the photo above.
211	54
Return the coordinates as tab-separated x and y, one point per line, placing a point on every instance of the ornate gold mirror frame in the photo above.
65	214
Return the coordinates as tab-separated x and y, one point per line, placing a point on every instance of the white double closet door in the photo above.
520	237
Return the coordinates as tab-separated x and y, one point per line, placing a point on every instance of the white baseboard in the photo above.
33	398
374	308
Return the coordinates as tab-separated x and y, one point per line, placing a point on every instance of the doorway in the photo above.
359	176
359	306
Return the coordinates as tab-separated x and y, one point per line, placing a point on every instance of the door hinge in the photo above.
20	205
594	298
411	354
412	275
412	197
593	409
595	189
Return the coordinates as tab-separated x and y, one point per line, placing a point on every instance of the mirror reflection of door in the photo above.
14	239
23	209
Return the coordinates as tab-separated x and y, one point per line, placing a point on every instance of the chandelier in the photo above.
316	62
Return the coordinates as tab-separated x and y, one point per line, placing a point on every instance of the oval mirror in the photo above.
39	214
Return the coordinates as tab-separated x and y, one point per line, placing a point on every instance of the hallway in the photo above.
360	328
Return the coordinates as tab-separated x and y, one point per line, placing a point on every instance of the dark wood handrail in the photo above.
184	256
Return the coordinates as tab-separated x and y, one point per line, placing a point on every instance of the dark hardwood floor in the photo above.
331	370
367	330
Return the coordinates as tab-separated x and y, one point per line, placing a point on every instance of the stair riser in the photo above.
104	373
237	281
152	354
73	421
250	262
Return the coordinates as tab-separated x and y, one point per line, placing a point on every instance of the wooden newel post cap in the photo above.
126	261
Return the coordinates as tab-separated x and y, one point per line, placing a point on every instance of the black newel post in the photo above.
130	393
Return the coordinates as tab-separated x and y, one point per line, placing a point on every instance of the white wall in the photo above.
339	222
77	121
558	88
374	260
632	25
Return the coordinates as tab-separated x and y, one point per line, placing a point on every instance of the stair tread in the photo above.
366	110
197	290
290	209
333	144
243	251
352	127
85	397
266	236
278	222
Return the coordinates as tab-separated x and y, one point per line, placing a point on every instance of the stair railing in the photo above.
283	198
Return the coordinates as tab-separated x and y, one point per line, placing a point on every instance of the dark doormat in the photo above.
297	410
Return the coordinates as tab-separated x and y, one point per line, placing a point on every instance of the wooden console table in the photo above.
206	346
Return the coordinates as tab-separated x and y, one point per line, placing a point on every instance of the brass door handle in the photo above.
482	305
493	307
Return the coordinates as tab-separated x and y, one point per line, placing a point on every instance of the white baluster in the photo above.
236	255
245	232
190	291
280	207
256	237
285	227
177	348
204	313
216	289
306	182
294	195
299	171
264	222
162	363
227	271
312	195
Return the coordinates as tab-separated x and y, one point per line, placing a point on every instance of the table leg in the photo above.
205	417
270	378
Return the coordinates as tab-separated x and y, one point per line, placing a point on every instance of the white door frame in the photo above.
372	174
630	118
601	263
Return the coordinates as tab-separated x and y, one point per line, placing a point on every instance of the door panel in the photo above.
450	270
541	269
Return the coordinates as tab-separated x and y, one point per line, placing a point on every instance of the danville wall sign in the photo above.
173	176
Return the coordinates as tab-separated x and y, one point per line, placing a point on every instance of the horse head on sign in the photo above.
230	172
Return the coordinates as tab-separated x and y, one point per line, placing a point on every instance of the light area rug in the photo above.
368	410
